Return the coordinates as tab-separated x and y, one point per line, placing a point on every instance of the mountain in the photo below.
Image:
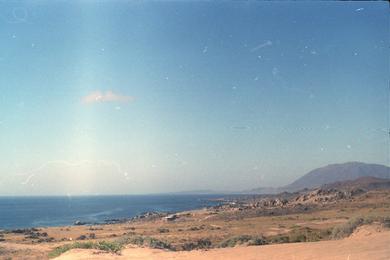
338	172
332	173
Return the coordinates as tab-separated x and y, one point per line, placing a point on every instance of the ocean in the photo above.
26	212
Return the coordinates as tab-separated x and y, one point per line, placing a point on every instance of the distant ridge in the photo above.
332	173
366	183
194	192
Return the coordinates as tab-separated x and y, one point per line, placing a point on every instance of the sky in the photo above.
136	97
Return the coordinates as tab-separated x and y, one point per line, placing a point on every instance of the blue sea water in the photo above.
24	212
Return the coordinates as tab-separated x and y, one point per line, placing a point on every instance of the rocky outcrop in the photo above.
171	217
149	216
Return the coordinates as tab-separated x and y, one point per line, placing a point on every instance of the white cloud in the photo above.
260	46
108	96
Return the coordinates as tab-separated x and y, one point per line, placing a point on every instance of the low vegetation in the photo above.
203	243
243	240
108	246
114	246
163	230
147	241
297	234
349	227
300	234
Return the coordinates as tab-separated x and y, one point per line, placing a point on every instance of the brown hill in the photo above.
365	183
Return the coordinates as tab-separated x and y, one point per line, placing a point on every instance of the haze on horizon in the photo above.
119	97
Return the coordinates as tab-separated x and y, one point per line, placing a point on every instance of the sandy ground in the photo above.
368	242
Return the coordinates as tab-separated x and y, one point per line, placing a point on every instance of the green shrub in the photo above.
204	243
233	241
114	246
60	250
2	250
109	246
194	228
257	241
386	222
146	241
306	235
279	239
346	229
200	244
83	245
134	240
155	243
243	239
295	226
302	234
163	230
189	246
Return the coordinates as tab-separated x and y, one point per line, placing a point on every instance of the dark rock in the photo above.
82	237
42	240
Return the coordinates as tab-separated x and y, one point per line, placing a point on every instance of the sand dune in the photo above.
368	242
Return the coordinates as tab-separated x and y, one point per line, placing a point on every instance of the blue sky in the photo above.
144	97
